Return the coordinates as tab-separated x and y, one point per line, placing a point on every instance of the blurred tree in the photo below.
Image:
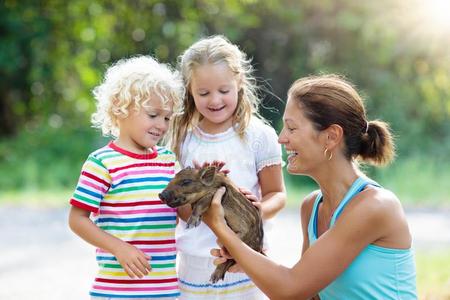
52	53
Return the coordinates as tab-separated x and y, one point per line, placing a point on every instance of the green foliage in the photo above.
45	157
53	53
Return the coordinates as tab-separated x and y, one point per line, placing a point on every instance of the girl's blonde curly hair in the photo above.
131	83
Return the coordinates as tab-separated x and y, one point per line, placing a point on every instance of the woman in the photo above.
357	243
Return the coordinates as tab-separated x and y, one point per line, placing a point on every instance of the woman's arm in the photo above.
318	266
273	192
133	260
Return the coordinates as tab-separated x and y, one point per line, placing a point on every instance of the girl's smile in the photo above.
215	91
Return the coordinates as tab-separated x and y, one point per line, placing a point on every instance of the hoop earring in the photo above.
325	153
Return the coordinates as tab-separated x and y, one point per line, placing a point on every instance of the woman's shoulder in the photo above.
378	206
308	204
378	199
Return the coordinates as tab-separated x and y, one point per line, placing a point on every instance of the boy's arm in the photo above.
134	261
272	190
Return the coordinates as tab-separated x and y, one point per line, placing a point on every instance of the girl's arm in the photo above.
133	260
272	191
318	266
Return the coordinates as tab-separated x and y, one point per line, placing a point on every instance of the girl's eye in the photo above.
224	92
203	94
152	116
291	129
167	119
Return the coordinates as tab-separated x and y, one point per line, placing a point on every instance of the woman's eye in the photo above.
167	119
224	91
203	94
291	129
152	116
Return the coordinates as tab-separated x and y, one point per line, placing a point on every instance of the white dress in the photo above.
244	158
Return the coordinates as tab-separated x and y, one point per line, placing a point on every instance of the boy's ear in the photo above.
207	175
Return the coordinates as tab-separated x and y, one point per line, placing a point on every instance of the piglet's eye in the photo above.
185	182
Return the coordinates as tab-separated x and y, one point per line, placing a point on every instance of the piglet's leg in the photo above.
198	208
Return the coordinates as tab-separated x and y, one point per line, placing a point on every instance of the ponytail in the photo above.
377	145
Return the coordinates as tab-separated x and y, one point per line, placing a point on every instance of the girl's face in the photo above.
303	143
215	91
144	128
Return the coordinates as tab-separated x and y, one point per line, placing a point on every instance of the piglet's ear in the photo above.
207	175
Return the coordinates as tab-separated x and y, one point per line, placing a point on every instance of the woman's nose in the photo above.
282	138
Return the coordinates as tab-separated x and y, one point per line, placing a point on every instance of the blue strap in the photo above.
357	186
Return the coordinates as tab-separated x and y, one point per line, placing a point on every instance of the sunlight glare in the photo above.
437	12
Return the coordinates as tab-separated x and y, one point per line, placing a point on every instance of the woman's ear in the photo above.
334	136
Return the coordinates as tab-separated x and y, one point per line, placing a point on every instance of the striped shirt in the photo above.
121	189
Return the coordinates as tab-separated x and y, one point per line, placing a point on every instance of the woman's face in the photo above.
301	140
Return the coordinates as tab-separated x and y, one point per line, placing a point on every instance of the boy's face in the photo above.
144	128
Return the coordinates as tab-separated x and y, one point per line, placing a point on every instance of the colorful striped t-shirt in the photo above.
121	189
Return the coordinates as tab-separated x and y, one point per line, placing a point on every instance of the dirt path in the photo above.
40	258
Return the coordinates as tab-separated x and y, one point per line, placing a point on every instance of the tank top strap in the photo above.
313	219
358	185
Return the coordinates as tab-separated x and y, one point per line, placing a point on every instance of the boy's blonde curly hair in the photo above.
131	83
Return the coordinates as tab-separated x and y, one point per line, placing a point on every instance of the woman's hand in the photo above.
214	216
221	256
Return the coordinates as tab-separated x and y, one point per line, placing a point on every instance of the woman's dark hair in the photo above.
330	99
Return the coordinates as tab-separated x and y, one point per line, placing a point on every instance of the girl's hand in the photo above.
133	261
252	198
216	163
214	216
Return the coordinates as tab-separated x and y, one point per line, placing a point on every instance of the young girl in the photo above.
221	122
119	184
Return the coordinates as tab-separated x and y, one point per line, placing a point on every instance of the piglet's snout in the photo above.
166	196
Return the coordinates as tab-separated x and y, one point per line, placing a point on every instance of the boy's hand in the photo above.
133	261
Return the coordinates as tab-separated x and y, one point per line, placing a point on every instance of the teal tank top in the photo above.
377	272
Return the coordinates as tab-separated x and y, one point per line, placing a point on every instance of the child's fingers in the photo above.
139	269
257	205
145	262
244	191
196	164
248	194
129	271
